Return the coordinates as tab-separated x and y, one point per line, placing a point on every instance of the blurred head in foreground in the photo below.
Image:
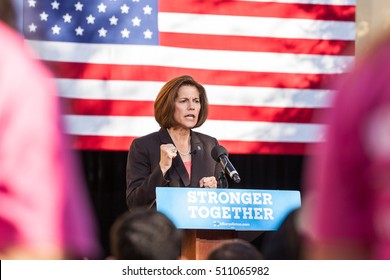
348	179
145	235
45	212
236	249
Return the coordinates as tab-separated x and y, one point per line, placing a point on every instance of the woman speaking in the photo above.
174	156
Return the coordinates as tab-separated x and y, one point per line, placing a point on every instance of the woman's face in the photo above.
187	106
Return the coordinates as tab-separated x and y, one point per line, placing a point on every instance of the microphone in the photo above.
220	154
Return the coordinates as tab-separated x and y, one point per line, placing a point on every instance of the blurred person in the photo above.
235	249
284	243
145	234
174	156
44	209
348	178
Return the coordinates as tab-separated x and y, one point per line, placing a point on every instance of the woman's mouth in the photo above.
190	116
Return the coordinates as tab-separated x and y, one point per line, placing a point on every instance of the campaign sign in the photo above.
228	209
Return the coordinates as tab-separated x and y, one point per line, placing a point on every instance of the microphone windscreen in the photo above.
217	151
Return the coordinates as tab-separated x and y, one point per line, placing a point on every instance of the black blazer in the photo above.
143	173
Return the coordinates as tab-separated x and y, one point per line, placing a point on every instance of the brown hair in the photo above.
164	105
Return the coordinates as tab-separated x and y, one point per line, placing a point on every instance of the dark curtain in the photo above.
105	175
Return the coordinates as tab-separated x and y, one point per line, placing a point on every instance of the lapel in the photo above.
177	163
196	158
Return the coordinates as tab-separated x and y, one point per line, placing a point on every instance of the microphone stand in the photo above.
223	181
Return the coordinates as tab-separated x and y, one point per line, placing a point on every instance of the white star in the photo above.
79	31
90	19
67	18
55	5
125	9
78	6
44	16
102	32
113	20
136	21
135	0
125	33
56	29
148	34
102	8
31	3
32	27
147	10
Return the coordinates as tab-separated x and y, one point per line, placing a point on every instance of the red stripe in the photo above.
234	147
216	112
109	107
257	44
258	9
241	147
74	70
262	114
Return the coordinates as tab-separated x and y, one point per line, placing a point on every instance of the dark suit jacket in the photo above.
143	173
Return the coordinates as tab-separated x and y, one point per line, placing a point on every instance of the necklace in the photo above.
189	145
187	153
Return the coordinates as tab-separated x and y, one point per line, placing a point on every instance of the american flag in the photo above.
264	65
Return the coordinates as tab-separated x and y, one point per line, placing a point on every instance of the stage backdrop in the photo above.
265	65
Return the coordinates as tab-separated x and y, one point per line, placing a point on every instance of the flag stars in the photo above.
125	33
67	18
102	32
102	8
148	34
78	6
113	20
55	5
125	9
32	27
90	19
31	3
136	21
43	16
56	29
79	31
147	10
109	21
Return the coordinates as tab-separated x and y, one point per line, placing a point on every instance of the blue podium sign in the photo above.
226	209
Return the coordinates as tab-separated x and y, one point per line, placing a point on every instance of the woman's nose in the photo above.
191	105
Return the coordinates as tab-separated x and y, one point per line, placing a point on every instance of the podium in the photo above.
211	216
198	243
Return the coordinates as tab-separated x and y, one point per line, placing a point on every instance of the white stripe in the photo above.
192	58
268	97
322	2
217	95
256	26
222	130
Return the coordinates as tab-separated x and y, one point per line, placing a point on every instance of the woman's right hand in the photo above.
167	153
